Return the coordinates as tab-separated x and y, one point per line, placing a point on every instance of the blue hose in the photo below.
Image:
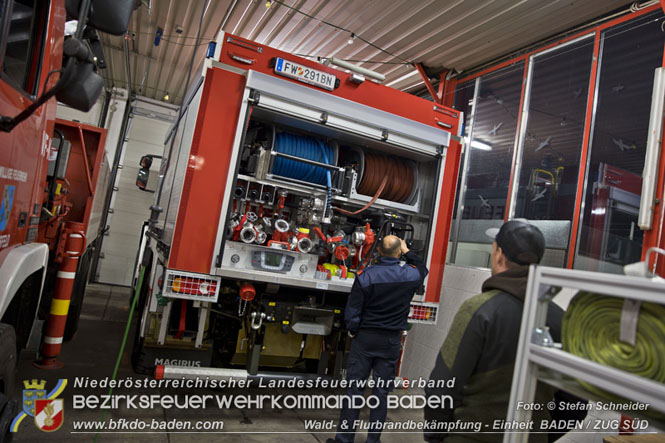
303	147
328	183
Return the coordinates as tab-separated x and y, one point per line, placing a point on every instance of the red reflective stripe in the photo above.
55	324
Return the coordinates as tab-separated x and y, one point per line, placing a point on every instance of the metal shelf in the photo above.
572	386
535	361
299	188
335	284
385	205
637	389
306	189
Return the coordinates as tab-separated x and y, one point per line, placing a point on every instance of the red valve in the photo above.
280	237
247	292
318	232
369	238
341	252
280	204
365	249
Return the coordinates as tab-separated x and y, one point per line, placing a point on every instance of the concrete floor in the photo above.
93	353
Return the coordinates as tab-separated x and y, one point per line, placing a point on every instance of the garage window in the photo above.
551	142
489	137
24	33
609	236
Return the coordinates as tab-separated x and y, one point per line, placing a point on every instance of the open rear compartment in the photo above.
308	206
290	189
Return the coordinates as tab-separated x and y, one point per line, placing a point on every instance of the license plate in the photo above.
304	74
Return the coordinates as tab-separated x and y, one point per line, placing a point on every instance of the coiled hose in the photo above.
591	329
304	147
311	149
399	184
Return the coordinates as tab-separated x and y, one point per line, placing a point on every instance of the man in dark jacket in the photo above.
376	314
480	348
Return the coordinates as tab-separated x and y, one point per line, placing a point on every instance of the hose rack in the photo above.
540	359
369	167
301	160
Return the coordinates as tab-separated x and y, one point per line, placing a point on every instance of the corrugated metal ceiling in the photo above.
441	34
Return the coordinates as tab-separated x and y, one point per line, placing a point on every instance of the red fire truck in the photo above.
278	180
48	167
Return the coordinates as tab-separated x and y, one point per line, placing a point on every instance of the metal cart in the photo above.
538	358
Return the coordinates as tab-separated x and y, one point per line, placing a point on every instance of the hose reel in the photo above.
400	175
591	329
311	150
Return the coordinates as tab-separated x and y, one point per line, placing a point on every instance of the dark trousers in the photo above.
376	351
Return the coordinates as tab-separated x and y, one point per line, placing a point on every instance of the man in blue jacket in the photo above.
375	316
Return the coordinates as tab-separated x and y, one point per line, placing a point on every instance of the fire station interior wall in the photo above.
114	122
424	341
556	112
130	205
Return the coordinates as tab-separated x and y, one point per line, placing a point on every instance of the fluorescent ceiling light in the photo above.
404	77
478	145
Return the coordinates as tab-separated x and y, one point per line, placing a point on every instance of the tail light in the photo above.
191	286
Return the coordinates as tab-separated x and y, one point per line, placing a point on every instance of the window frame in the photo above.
36	54
595	33
593	139
464	169
524	121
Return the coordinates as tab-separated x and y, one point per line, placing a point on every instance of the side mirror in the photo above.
78	85
144	173
146	161
110	16
142	178
84	85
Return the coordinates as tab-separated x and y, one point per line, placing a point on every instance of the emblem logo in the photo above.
46	408
49	414
34	390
